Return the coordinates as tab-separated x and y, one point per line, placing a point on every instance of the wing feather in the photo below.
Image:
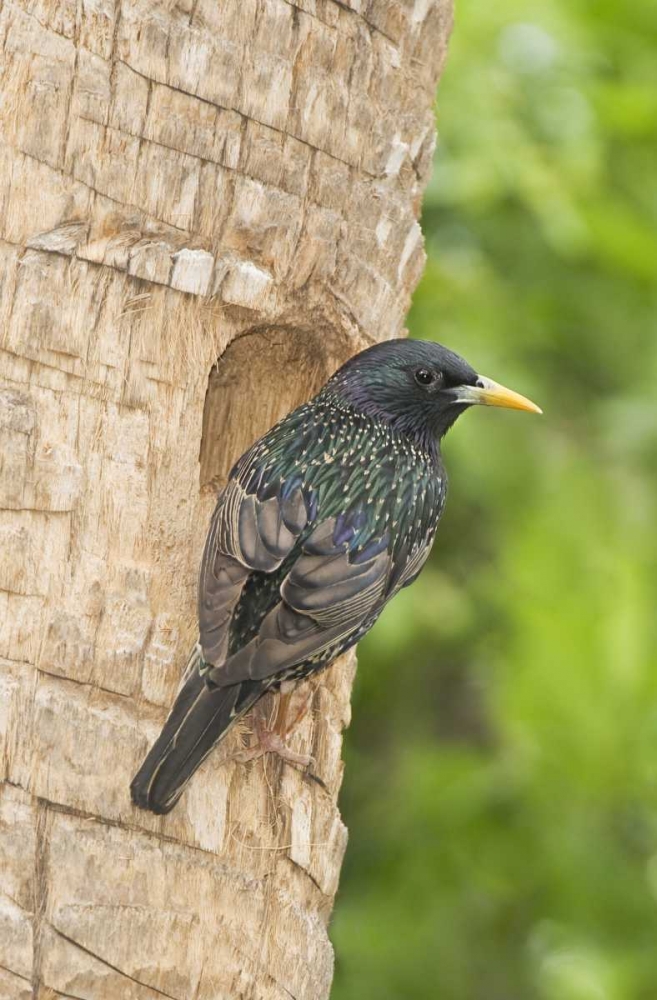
246	535
325	598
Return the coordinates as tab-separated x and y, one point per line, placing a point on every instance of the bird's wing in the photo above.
246	535
330	591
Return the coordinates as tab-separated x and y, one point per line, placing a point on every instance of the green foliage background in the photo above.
501	788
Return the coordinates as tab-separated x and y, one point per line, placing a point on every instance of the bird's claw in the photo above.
271	742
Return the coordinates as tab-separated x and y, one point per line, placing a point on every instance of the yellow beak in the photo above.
489	393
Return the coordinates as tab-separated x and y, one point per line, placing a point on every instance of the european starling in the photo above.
322	522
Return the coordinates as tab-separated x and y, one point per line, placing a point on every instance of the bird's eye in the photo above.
424	377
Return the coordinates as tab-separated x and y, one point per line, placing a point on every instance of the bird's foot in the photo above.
270	741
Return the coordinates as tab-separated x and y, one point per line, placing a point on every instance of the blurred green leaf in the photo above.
501	787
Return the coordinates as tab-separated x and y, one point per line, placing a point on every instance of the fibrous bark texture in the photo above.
205	206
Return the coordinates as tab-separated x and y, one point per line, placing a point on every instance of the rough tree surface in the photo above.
205	207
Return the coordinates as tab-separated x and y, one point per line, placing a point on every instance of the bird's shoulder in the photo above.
328	462
377	488
330	449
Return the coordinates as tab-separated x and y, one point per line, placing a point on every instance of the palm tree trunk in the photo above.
205	206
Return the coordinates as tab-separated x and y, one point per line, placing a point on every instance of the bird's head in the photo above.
418	386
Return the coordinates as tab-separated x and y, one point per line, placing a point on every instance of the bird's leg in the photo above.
285	721
273	740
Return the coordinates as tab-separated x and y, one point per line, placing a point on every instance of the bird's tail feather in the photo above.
200	717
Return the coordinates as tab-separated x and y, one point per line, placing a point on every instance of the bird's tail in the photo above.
200	716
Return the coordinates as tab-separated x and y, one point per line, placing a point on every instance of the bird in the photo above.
322	521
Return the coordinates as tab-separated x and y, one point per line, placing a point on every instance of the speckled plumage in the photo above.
385	491
322	521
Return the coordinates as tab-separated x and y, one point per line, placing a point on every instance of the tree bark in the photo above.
205	207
